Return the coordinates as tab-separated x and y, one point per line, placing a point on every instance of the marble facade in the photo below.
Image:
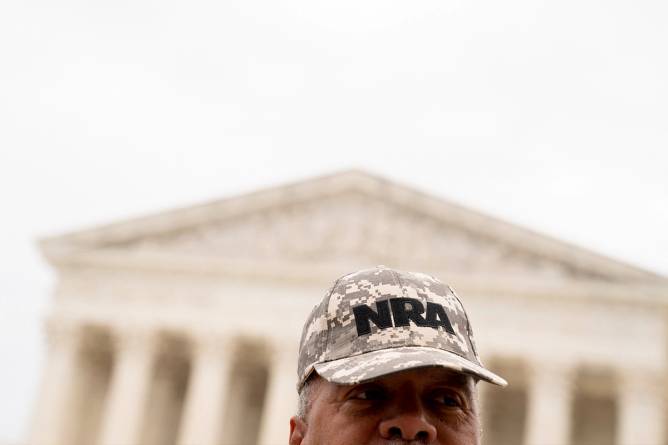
182	328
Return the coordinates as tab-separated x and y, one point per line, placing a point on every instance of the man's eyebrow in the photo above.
451	377
456	380
342	391
370	384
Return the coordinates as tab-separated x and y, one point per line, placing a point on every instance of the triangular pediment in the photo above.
350	218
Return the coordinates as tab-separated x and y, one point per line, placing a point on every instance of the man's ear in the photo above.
297	430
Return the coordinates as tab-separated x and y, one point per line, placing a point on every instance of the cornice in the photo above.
107	243
309	273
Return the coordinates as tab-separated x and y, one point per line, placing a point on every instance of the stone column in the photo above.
641	415
281	399
549	412
130	383
207	390
51	422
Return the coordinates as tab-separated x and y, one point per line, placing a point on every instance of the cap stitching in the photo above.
329	330
468	326
395	275
311	367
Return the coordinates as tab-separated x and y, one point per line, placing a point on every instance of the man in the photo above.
388	357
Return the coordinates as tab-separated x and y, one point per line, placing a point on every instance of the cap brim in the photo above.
371	365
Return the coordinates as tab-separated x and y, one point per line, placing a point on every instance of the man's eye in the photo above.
370	394
448	400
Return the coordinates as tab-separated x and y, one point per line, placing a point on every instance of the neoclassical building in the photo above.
182	328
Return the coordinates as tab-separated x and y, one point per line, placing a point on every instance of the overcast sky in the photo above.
549	114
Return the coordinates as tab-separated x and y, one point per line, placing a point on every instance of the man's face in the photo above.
426	406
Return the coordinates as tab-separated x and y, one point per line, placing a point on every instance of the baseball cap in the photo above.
379	321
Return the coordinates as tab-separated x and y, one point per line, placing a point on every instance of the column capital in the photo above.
53	417
281	396
130	383
207	390
551	372
641	380
63	333
280	350
210	344
135	339
549	410
642	407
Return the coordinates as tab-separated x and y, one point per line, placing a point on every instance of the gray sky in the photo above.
551	115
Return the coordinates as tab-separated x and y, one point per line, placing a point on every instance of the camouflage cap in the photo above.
380	321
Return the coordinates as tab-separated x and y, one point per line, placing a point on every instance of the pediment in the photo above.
350	227
353	218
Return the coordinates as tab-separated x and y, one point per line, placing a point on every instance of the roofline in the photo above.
466	219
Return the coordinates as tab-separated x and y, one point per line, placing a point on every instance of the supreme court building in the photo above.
182	328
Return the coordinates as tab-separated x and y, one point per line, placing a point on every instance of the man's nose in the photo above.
409	425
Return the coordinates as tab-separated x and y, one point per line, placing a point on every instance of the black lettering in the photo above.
436	317
363	314
405	309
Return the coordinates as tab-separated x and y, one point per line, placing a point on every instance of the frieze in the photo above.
356	228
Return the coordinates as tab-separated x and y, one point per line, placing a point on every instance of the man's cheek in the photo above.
462	431
340	430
